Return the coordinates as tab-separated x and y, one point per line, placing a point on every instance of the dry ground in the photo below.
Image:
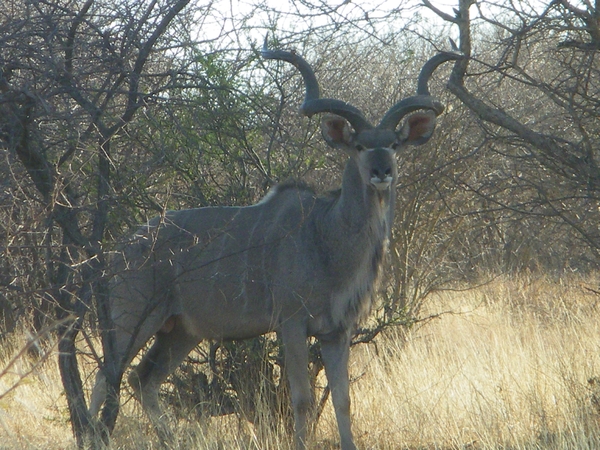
513	366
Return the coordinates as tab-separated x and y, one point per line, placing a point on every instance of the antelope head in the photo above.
345	126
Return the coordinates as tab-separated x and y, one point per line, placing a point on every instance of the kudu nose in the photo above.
381	178
381	174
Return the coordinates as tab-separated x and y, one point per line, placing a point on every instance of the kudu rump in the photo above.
296	263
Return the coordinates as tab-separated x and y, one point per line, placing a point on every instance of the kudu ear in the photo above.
336	130
417	128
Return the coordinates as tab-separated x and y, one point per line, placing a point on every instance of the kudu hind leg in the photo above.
98	395
125	351
296	367
335	353
165	355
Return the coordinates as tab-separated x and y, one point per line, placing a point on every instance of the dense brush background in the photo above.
484	332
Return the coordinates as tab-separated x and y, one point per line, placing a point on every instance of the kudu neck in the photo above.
360	205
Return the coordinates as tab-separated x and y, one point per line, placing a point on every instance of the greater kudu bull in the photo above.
296	263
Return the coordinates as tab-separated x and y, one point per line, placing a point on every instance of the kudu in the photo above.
295	263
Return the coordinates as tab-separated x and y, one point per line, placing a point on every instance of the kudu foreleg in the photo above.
335	352
296	366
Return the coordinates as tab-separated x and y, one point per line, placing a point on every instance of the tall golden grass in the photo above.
513	364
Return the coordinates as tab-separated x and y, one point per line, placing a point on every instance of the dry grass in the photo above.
509	368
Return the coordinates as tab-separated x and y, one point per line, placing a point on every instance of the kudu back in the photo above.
296	262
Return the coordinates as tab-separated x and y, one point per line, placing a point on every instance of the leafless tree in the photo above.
72	78
532	79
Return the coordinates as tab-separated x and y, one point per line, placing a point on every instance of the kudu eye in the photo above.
359	147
